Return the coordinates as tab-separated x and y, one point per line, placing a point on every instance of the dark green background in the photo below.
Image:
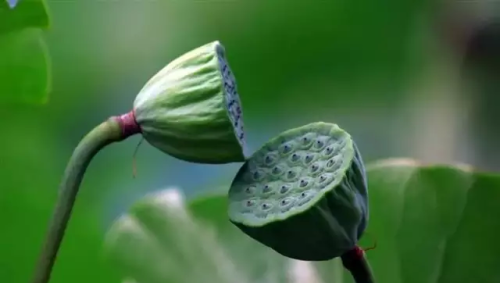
396	74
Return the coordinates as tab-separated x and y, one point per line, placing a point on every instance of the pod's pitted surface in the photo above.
304	193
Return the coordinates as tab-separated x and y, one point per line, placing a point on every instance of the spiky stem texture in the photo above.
356	262
113	130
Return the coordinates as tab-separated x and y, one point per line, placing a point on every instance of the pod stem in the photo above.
113	130
356	262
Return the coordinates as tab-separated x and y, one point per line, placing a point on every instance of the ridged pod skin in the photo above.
303	194
191	109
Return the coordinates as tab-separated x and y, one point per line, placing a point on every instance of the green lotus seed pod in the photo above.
304	193
191	109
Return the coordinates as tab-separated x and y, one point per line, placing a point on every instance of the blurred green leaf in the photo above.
161	241
24	67
18	15
432	223
24	64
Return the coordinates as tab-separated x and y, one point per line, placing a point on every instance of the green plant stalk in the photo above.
356	262
115	129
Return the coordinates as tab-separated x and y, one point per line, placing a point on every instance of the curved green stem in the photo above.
101	136
356	262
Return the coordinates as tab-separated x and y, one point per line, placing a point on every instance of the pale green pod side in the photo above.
191	109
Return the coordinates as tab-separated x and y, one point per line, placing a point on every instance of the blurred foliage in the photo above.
18	15
24	63
24	69
433	223
351	63
482	59
342	46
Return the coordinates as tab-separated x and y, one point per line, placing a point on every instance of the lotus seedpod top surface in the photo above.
290	173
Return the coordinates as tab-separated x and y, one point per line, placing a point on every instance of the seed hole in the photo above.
329	163
267	189
276	170
303	183
306	140
284	189
286	148
256	175
314	167
309	158
268	159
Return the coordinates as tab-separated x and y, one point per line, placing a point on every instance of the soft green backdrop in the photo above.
395	74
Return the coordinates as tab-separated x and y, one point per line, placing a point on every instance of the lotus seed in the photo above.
277	170
267	189
286	204
319	144
256	175
314	168
328	151
307	139
309	158
249	190
268	159
303	183
329	163
284	189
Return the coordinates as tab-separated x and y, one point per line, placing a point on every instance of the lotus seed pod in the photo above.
191	108
303	194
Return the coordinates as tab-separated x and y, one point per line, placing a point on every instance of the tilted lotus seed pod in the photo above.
304	193
191	108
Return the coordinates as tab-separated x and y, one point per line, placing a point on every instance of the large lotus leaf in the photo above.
24	64
432	224
161	240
